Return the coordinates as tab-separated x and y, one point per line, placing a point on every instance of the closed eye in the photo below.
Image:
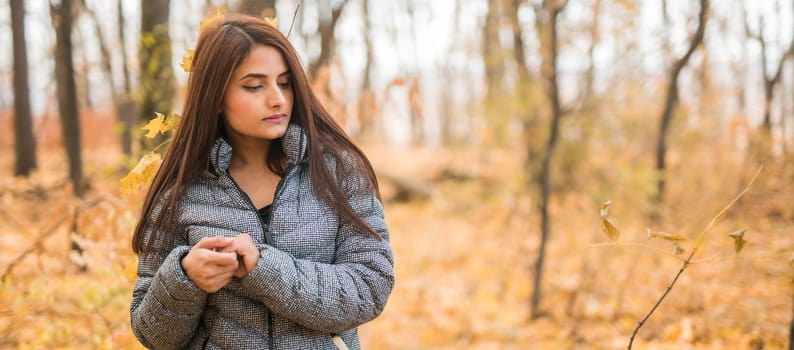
252	88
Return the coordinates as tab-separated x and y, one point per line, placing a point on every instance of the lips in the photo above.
275	118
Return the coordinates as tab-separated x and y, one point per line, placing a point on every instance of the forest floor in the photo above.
464	254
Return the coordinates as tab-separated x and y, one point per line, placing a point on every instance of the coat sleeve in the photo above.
330	297
166	306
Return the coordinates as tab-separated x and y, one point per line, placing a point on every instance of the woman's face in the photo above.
257	103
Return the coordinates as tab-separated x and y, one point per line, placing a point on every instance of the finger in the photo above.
242	245
224	260
216	280
240	272
250	260
233	246
218	242
244	236
249	252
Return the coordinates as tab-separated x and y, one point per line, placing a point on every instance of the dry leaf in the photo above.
205	23
738	239
160	124
142	174
154	125
272	21
677	250
604	208
131	271
666	235
610	230
170	123
187	61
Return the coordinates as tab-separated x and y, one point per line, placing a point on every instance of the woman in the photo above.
263	227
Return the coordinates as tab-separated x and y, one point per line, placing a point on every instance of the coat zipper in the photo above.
250	203
276	195
265	232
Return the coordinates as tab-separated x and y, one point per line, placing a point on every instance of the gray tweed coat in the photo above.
317	276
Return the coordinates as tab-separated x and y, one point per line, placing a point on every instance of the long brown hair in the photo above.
222	46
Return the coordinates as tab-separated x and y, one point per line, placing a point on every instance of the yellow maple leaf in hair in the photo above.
272	21
153	126
142	174
187	61
131	271
160	124
205	23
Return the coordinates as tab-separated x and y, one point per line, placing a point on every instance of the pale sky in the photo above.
406	48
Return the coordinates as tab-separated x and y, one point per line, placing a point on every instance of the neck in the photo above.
249	153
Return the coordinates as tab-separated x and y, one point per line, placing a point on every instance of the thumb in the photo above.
213	242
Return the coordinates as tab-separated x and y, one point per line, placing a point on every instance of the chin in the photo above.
276	134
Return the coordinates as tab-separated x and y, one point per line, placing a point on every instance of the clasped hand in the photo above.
213	261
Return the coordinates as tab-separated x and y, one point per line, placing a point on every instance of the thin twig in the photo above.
161	145
713	258
107	322
9	218
294	16
32	248
659	302
724	210
746	256
37	244
689	258
637	244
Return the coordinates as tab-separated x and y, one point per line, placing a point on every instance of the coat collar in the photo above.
294	143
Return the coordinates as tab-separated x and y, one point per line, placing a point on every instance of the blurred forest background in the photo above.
497	129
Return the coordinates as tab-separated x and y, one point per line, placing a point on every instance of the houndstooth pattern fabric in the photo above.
317	275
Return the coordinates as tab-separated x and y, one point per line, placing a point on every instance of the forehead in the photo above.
262	59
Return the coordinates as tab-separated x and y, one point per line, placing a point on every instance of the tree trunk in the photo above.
589	89
671	100
446	108
126	108
258	8
157	82
491	51
547	16
415	100
366	102
528	116
769	82
327	26
81	69
667	52
416	106
24	143
783	124
791	328
739	68
67	91
518	44
705	85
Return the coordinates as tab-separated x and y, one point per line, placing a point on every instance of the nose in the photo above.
275	99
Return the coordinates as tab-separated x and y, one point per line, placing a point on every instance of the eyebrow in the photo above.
261	75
